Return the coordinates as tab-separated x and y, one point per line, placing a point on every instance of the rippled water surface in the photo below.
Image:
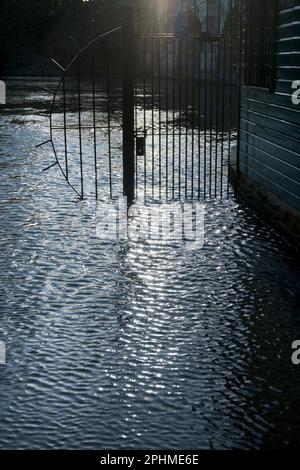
136	345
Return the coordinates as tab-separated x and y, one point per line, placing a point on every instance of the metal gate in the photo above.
159	124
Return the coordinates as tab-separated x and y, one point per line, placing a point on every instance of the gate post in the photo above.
128	103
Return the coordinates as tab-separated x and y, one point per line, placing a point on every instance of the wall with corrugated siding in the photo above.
270	122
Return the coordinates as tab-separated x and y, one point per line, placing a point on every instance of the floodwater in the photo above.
134	344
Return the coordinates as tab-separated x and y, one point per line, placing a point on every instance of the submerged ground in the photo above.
136	345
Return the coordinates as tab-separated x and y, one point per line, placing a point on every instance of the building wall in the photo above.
270	122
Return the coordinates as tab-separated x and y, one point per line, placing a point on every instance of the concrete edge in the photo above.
284	218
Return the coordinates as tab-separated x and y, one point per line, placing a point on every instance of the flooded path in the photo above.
136	345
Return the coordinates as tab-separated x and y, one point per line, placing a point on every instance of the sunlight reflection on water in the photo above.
133	344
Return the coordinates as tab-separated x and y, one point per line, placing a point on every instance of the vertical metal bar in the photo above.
273	26
211	116
173	99
109	115
217	114
257	42
179	115
260	40
230	115
265	46
207	15
168	17
167	115
193	113
205	116
136	104
145	117
94	121
223	114
128	104
250	34
79	125
253	42
248	42
159	117
186	113
239	93
251	39
65	127
267	59
152	108
199	116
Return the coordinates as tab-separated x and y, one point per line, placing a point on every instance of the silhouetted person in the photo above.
180	25
232	22
194	24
